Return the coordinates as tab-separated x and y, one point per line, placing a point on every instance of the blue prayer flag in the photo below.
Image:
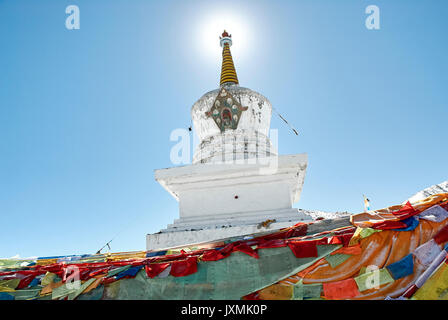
411	223
402	268
132	272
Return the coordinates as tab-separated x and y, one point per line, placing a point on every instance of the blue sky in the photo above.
86	115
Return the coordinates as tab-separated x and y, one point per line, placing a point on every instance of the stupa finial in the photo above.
228	72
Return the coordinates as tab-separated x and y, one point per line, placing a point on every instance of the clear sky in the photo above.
86	115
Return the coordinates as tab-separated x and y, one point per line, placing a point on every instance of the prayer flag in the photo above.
339	290
402	268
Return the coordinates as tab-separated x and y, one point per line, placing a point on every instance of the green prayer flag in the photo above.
312	290
367	232
45	297
373	279
25	294
72	296
337	259
95	294
48	278
65	289
362	270
306	291
9	264
11	284
297	293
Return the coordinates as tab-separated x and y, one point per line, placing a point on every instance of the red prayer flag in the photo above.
181	255
24	282
53	268
442	235
405	211
184	267
84	274
339	290
98	271
389	225
227	250
298	230
322	241
444	205
274	243
303	249
154	269
218	254
345	239
212	255
246	249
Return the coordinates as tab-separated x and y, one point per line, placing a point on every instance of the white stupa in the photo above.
237	184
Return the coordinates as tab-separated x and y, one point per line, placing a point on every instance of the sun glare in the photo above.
213	26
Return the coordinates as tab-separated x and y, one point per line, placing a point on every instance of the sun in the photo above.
213	26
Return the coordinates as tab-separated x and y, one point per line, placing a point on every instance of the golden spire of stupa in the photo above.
228	72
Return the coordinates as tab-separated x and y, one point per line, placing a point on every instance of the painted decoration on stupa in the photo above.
226	111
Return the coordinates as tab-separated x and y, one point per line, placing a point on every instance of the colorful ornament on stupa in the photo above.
226	111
